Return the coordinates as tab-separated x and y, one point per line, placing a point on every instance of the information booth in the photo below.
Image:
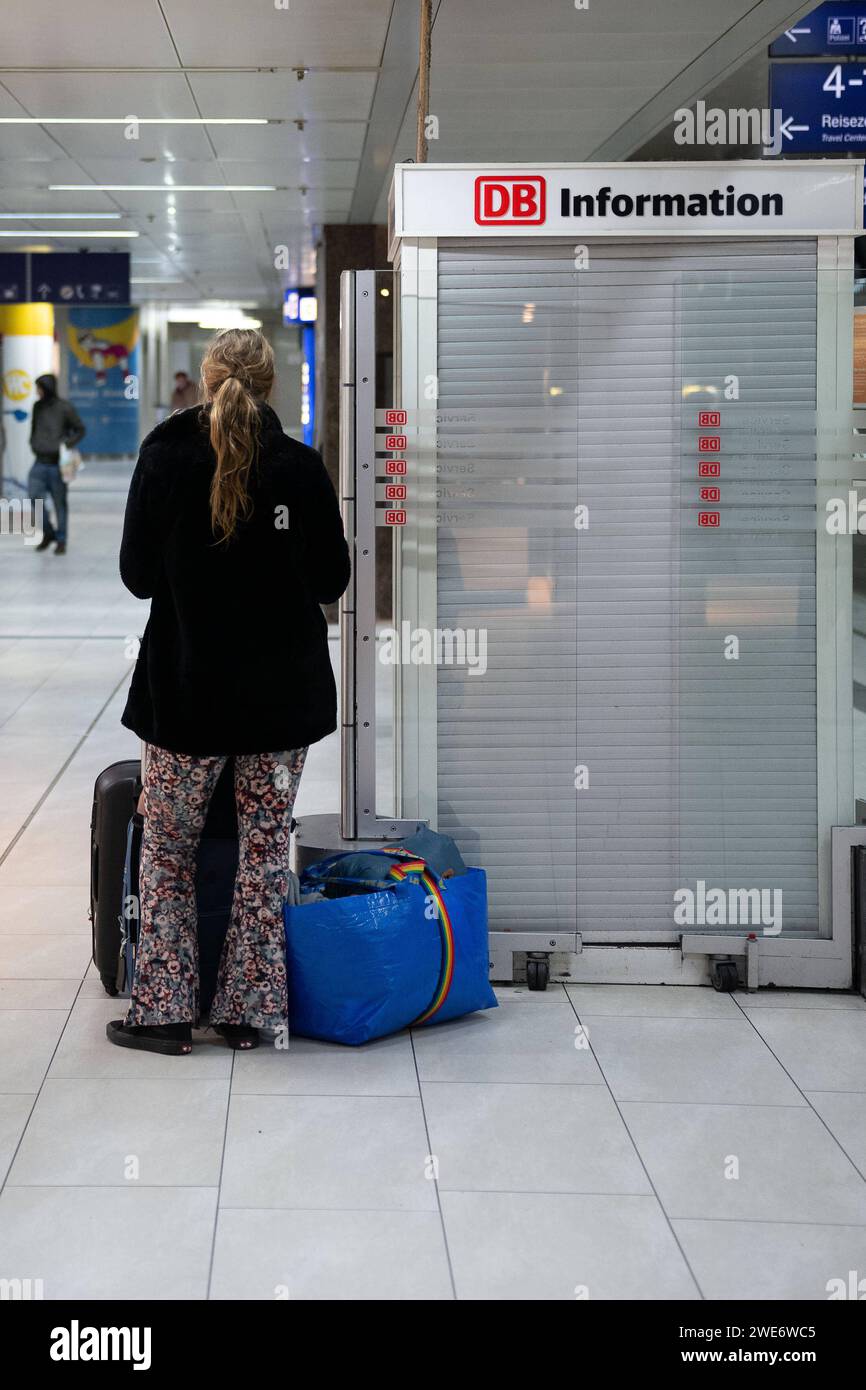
613	459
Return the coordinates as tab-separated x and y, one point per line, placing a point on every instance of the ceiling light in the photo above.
160	187
56	216
138	120
81	235
231	319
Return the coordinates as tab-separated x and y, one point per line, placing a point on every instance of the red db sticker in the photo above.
709	470
395	492
707	419
395	516
509	199
395	441
709	518
711	494
709	444
395	466
399	417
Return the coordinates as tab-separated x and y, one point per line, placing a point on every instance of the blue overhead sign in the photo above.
83	277
13	277
61	277
830	28
823	106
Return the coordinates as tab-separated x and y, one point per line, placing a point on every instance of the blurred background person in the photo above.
55	422
185	392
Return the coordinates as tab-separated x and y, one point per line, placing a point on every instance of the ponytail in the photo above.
237	375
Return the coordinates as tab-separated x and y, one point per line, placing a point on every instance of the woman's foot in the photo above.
171	1039
240	1036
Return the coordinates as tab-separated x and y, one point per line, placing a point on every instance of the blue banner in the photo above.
102	348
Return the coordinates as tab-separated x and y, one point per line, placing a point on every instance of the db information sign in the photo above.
757	196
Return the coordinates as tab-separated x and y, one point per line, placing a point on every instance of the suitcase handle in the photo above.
94	873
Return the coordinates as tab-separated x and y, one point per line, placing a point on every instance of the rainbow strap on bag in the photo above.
418	867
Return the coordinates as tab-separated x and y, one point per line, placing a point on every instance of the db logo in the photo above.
395	492
709	519
509	199
395	516
393	466
708	469
706	418
709	444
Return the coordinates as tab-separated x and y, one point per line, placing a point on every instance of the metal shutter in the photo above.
560	387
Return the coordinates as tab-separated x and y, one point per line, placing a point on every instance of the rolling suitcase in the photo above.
115	796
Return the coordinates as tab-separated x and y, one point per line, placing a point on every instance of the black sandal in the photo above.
239	1036
170	1039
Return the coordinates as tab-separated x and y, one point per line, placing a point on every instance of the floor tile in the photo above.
781	1261
512	1043
824	1050
346	1256
651	1001
547	1248
48	911
331	1152
844	1114
44	957
38	994
28	1038
530	1139
14	1110
801	999
124	1133
382	1068
688	1059
790	1168
109	1242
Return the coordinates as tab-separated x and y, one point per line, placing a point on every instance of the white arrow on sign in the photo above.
787	128
44	290
792	33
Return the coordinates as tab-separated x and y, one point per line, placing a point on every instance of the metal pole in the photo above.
348	604
423	81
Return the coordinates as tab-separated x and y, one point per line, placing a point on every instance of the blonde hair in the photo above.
237	374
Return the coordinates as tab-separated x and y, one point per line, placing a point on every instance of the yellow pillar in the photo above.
27	332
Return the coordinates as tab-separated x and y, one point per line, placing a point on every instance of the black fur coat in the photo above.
234	657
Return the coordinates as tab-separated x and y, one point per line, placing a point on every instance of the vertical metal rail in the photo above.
365	552
358	819
348	732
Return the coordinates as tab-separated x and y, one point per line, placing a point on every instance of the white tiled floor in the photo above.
703	1145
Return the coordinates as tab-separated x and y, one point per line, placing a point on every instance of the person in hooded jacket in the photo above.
55	422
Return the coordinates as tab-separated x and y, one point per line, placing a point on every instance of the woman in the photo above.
233	532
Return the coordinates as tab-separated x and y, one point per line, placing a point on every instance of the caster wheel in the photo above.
109	984
537	972
725	976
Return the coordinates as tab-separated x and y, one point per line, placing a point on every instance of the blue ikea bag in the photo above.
366	963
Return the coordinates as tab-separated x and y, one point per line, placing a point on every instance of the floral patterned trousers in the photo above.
251	986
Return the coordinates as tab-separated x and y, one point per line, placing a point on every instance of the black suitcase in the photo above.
115	796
